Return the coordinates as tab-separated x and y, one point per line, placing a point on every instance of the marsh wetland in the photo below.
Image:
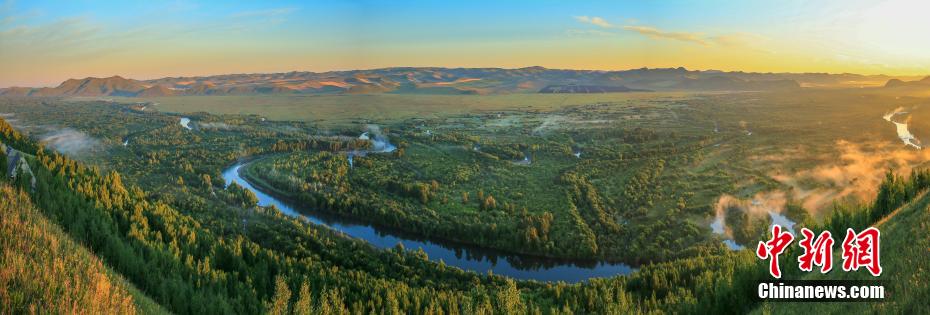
582	189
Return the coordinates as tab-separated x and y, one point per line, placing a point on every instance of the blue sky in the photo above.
45	42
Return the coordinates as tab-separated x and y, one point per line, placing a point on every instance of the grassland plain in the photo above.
348	109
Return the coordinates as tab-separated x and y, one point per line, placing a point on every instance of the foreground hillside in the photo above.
43	270
905	253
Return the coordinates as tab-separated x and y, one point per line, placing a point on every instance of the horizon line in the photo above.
441	67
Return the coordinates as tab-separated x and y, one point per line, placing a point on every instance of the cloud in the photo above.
11	18
275	16
60	33
858	171
738	39
215	125
660	34
577	32
750	41
264	13
70	141
594	20
760	206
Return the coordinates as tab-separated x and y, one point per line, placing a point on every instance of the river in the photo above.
186	123
901	128
469	258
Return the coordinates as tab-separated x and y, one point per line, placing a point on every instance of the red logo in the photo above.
859	250
862	250
816	252
773	248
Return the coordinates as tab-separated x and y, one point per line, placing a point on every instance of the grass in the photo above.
345	109
43	270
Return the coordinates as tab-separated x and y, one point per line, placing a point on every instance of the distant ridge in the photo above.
572	88
432	80
893	83
112	86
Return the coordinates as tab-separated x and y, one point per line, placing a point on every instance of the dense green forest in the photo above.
447	175
589	192
156	213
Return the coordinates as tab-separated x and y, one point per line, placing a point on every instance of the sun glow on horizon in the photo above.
44	43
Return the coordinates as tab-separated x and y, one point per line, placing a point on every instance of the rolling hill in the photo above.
572	88
448	81
112	86
896	83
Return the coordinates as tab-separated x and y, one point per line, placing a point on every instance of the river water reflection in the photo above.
464	257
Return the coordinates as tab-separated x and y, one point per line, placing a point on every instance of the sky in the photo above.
43	43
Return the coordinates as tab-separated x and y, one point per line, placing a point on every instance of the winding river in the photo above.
903	133
479	260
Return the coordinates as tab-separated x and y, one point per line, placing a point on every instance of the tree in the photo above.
508	299
489	203
3	164
332	304
282	294
304	305
207	181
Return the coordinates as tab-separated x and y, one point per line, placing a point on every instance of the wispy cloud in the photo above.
577	32
657	33
60	33
724	40
737	39
265	17
276	12
70	141
594	21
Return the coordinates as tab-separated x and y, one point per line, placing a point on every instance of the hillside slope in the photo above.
43	270
905	259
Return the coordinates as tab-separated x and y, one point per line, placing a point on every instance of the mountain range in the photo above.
430	80
897	83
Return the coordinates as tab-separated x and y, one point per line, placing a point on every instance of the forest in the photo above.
592	192
157	213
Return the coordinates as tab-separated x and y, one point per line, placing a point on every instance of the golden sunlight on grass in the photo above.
43	271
